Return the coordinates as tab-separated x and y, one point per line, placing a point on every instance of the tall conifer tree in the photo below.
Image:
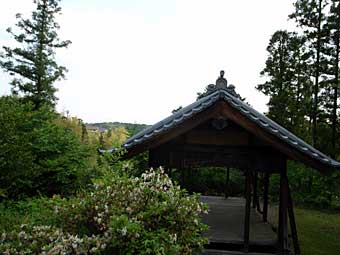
288	80
333	24
310	16
277	70
33	63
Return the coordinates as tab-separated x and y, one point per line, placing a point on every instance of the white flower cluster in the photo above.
48	240
124	213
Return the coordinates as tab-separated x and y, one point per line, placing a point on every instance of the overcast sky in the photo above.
137	60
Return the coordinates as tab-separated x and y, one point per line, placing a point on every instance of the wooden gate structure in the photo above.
220	129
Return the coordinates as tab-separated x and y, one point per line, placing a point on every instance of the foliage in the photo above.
210	181
310	15
312	188
309	187
14	124
122	215
37	155
32	62
302	81
289	81
302	72
138	162
115	138
112	138
34	211
75	125
131	128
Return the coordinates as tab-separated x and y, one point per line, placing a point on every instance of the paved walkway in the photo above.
226	220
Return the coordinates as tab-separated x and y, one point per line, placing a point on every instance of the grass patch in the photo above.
319	232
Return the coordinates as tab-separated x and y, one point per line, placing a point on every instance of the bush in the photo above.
36	211
37	155
122	215
308	187
311	188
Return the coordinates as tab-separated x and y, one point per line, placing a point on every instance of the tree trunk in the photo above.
317	74
336	84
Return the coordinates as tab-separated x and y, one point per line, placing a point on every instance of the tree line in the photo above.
302	81
302	71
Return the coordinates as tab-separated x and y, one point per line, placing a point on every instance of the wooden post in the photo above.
182	172
227	189
245	185
247	211
283	219
254	189
170	172
170	163
151	162
189	178
296	245
265	197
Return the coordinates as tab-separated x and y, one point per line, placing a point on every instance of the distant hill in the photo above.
132	128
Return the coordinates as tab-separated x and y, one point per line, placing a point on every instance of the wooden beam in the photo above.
247	211
265	197
292	222
229	136
240	157
283	219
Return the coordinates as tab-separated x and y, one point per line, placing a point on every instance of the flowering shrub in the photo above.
122	215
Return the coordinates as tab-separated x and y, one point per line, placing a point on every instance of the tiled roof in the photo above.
254	116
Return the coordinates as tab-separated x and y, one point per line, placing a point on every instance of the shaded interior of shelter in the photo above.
217	142
220	142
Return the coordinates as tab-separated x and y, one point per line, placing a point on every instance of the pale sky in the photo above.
137	60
